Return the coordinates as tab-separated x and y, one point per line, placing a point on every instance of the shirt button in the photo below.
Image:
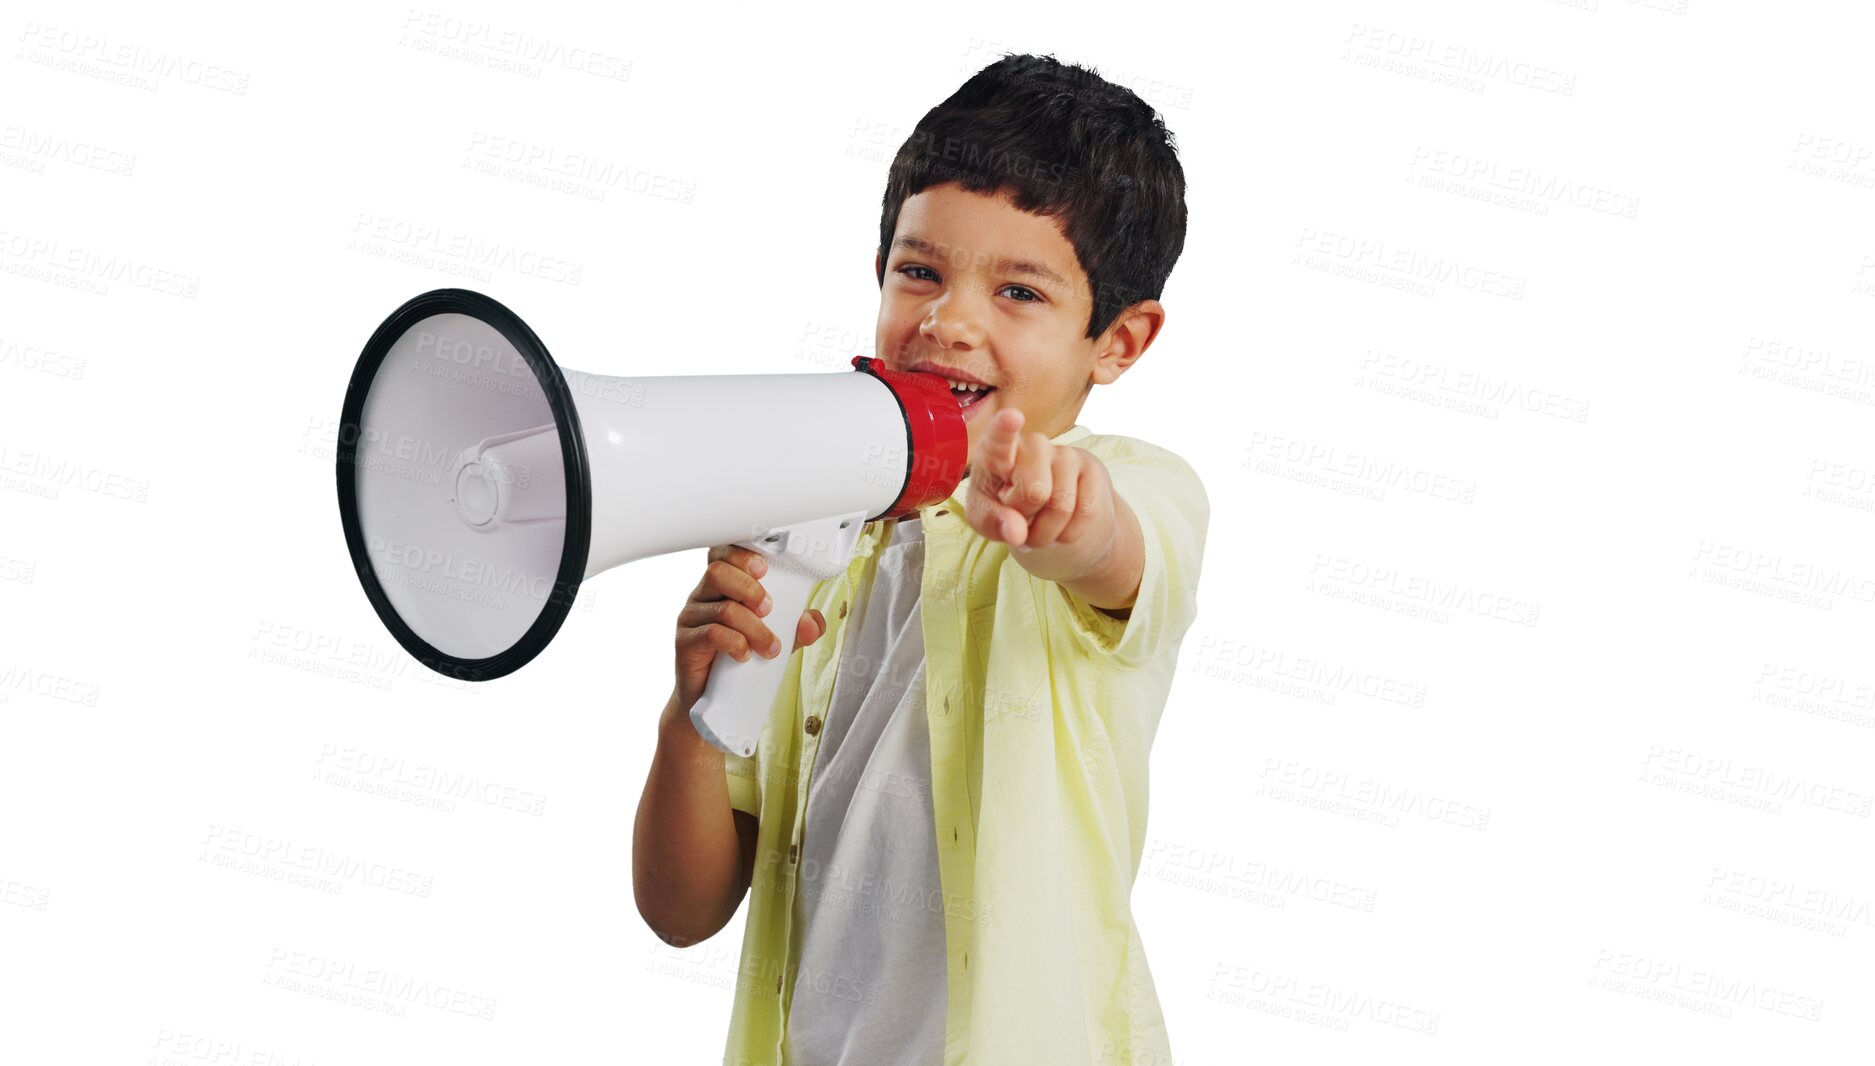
813	725
943	512
793	850
842	608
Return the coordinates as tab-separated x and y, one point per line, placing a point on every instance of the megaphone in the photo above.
479	484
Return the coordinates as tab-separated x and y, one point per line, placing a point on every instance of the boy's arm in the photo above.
1120	566
747	828
691	865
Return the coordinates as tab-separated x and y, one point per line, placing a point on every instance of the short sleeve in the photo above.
1174	512
742	775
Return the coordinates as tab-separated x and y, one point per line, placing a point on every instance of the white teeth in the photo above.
966	386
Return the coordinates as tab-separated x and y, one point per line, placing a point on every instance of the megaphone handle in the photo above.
738	696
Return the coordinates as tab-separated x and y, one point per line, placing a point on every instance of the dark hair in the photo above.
1064	142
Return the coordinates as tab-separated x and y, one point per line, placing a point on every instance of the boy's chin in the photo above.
977	422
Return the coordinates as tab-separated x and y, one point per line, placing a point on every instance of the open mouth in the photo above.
970	397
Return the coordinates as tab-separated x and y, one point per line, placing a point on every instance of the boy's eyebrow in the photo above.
1013	266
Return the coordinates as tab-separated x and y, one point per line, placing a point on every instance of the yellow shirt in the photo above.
1042	712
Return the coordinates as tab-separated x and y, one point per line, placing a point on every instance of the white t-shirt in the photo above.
870	990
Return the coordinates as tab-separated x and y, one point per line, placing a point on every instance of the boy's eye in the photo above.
1026	295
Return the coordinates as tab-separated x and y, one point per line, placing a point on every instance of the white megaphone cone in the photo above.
479	484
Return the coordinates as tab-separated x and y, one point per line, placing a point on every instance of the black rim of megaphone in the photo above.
572	450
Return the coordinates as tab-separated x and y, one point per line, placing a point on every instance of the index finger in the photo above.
998	446
746	558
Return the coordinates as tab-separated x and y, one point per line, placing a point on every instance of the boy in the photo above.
946	812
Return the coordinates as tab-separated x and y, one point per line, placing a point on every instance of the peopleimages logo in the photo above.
36	147
1524	181
79	51
1457	59
364	764
88	268
1418	271
424	245
461	38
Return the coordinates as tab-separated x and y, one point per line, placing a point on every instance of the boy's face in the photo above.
979	290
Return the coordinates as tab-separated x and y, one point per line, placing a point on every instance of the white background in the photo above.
1522	348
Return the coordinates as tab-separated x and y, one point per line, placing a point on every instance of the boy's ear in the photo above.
878	267
1127	339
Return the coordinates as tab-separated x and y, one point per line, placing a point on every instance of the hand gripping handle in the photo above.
738	696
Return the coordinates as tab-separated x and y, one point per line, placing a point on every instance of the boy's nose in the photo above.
952	327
